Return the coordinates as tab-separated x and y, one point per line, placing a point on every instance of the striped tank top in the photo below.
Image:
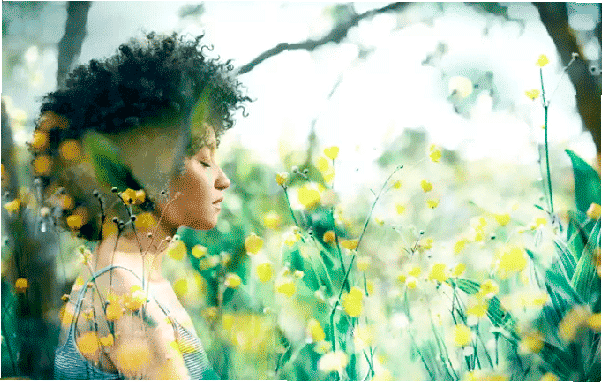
69	363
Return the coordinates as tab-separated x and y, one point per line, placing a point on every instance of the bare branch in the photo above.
336	35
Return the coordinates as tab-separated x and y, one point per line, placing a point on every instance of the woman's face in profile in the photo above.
201	188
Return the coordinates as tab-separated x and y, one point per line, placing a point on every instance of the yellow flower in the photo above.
42	165
414	270
88	343
399	208
180	287
107	341
186	347
145	220
272	220
438	272
70	150
401	278
542	60
513	259
426	185
489	288
135	299
329	237
232	280
432	203
502	219
208	262
140	196
75	221
478	309
114	311
176	250
462	335
39	141
363	262
352	302
349	244
315	330
133	357
287	288
594	322
253	244
459	269
594	211
307	196
531	342
533	94
331	152
397	184
265	272
199	251
282	178
21	285
411	282
549	377
13	207
435	153
50	120
333	361
133	197
571	322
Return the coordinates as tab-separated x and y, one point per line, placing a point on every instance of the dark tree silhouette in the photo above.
587	86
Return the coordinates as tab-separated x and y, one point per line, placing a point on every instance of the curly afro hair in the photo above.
145	80
153	79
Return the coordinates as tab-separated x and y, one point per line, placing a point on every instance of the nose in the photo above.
222	181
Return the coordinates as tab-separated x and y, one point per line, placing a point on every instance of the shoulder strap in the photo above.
82	293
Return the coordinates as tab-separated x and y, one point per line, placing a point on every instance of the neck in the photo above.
141	249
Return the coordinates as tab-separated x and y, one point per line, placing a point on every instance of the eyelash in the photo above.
205	164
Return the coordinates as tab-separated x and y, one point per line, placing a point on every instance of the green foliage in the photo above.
109	166
587	183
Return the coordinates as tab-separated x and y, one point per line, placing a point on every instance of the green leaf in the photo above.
109	167
587	183
585	280
567	259
497	315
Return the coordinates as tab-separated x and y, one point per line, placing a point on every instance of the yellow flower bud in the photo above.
21	285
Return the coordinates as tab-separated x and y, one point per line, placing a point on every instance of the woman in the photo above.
124	155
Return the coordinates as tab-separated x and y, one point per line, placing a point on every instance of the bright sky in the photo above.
380	96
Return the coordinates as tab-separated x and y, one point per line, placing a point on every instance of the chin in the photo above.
202	225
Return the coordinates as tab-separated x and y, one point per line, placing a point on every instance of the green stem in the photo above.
545	108
548	158
288	201
374	203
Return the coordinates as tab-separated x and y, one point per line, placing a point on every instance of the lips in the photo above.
218	203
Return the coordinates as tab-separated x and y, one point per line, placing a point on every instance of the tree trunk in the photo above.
587	87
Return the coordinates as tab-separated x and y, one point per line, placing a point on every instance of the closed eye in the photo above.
205	164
